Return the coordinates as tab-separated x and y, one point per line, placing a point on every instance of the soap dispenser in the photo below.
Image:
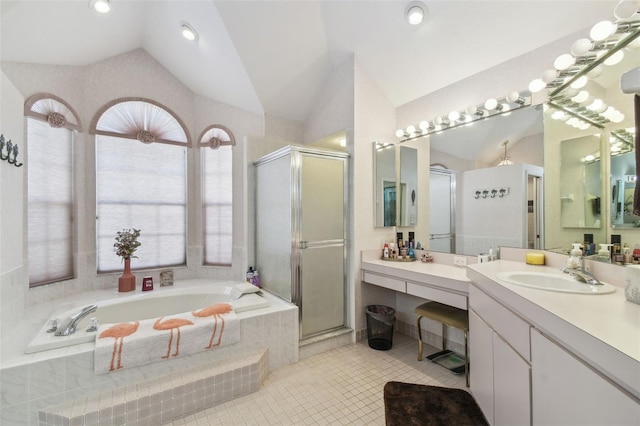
603	253
574	261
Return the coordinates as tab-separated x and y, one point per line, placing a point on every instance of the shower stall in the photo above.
301	229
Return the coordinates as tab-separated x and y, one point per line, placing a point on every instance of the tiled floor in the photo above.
341	387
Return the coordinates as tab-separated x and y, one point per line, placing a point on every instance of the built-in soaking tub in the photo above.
145	305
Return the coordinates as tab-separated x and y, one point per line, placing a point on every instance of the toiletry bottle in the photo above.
616	246
626	254
574	262
587	248
411	252
249	275
603	253
636	254
385	251
256	279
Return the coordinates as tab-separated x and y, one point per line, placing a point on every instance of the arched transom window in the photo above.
141	182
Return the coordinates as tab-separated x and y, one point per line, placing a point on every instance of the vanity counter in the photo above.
446	276
603	330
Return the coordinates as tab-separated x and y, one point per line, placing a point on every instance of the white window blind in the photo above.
141	186
217	203
49	202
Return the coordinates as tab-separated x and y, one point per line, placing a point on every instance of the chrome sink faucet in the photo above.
68	326
581	274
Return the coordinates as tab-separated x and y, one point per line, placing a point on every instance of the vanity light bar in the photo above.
492	107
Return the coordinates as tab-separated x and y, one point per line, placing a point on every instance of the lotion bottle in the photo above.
603	253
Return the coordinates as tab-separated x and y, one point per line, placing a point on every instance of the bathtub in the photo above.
141	306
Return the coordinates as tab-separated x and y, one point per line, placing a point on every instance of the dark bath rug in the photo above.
409	404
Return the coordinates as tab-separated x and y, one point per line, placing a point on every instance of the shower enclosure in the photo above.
301	216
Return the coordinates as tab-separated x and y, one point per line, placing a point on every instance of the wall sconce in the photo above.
100	6
12	150
491	107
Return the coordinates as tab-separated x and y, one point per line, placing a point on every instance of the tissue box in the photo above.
632	289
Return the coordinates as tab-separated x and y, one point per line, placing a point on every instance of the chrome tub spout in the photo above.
68	326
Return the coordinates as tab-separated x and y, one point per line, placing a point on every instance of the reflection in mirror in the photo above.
408	186
623	178
396	188
473	152
442	210
384	178
580	193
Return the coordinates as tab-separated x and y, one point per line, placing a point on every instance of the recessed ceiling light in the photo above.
188	32
101	6
416	12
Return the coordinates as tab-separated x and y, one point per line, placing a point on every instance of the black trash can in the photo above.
380	321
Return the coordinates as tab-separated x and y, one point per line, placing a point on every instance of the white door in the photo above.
442	199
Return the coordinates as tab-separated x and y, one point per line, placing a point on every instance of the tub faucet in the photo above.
581	274
68	326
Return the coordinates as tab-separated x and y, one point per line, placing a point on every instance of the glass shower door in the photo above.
322	244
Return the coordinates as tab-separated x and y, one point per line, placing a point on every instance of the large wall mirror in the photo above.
395	177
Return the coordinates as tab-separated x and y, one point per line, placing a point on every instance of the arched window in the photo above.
217	194
51	126
141	182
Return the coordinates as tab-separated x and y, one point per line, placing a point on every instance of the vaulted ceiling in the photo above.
273	57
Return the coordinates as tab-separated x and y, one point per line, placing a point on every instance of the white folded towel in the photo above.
131	344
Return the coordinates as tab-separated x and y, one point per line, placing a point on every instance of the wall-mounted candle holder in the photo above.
12	151
491	193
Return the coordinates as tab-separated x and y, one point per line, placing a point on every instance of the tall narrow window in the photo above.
51	124
217	195
141	178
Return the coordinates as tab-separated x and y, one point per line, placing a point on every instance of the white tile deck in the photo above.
343	386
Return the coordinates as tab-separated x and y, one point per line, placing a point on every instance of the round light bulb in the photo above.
625	9
513	97
602	108
549	75
454	116
491	104
597	103
472	110
602	30
589	157
415	15
411	129
582	96
536	85
615	58
581	46
618	117
424	125
564	61
437	120
399	133
557	115
570	92
580	82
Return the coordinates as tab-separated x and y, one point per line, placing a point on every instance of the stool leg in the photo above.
419	340
466	358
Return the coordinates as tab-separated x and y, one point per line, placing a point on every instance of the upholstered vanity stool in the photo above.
447	315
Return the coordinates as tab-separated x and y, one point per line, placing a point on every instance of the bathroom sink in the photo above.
563	283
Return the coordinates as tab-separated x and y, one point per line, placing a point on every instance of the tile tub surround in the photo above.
31	382
167	398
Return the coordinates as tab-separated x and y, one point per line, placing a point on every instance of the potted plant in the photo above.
126	244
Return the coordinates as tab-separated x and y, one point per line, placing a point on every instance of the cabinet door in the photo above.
566	391
481	368
511	385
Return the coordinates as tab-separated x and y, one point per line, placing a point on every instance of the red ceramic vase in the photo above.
127	281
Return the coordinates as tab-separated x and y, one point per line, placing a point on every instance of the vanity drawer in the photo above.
384	281
513	329
430	293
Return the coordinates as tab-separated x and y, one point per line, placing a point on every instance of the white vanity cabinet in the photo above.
500	375
567	391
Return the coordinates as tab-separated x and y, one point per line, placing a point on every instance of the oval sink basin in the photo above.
553	282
